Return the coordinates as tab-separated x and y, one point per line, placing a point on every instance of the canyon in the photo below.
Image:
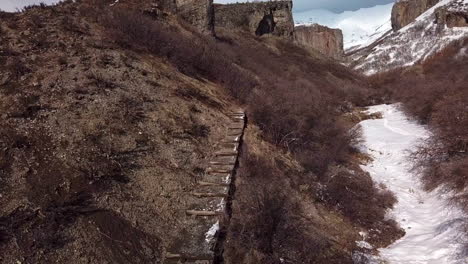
169	131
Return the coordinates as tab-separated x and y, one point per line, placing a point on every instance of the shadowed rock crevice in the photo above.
266	25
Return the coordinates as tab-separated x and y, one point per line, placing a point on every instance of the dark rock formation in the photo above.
406	11
260	18
326	40
453	15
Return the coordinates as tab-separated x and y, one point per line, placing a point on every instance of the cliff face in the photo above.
259	18
405	11
199	13
326	40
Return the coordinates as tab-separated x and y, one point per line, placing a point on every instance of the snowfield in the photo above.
432	225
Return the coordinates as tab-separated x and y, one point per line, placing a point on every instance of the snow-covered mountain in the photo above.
425	36
360	28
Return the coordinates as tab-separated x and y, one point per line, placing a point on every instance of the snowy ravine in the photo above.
433	232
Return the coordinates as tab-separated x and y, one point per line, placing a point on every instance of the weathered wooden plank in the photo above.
197	194
203	213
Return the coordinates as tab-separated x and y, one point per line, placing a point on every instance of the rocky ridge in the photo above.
434	30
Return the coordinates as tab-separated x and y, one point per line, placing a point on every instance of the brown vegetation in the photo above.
112	116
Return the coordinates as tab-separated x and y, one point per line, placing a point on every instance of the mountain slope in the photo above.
360	28
416	42
110	116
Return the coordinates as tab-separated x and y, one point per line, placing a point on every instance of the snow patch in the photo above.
433	226
364	244
209	236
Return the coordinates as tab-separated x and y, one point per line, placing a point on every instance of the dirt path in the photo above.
208	219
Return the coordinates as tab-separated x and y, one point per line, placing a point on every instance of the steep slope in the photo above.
360	28
416	42
109	116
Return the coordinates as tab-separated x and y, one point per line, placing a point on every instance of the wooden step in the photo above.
224	160
220	168
235	132
231	139
205	183
221	178
226	152
236	126
189	257
234	146
201	195
203	213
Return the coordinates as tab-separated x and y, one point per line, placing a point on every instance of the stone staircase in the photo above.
211	212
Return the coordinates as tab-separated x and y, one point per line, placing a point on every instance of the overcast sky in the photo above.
333	5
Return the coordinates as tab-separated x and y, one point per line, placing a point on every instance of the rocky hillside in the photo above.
110	115
323	39
428	34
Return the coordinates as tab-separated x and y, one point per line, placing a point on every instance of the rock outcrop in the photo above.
323	39
199	13
260	18
406	11
453	15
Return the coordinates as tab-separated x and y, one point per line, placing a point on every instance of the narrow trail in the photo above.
208	216
432	225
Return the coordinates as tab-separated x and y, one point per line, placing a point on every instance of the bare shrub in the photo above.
354	193
199	131
17	68
268	224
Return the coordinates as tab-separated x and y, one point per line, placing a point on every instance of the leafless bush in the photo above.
17	68
355	194
269	223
